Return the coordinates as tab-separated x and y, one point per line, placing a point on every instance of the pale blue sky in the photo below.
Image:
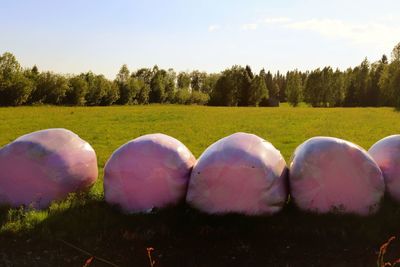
79	35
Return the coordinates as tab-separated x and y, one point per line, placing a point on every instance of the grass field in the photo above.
182	236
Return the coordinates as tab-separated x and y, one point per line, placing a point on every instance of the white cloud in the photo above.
214	27
276	20
357	33
382	32
249	27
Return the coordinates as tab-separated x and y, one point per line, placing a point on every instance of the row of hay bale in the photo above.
241	173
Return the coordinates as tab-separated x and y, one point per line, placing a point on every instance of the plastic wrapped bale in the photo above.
386	153
151	171
43	166
333	175
241	173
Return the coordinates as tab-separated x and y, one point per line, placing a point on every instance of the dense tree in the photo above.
338	89
374	93
197	80
389	82
294	88
209	83
51	88
280	80
144	77
258	90
313	88
350	89
362	83
324	88
182	96
78	88
170	88
158	85
111	90
396	53
230	87
101	92
15	87
273	90
199	98
183	80
128	86
15	90
245	77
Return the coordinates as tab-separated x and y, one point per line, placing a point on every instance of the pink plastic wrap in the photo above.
386	153
151	171
332	175
43	166
241	173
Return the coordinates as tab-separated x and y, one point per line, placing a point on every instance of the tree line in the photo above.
369	84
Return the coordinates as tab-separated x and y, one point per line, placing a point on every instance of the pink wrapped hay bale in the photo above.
43	166
386	152
241	173
151	171
333	175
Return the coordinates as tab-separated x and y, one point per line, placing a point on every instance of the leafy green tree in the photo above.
8	65
78	88
374	94
358	82
258	90
32	74
363	83
396	53
197	80
100	90
144	77
183	80
170	88
328	90
350	88
51	88
294	88
273	90
389	82
199	98
157	86
15	87
111	90
338	89
209	83
128	86
182	96
229	87
313	88
15	90
280	80
245	77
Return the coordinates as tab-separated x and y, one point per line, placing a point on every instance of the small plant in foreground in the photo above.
382	251
152	262
88	261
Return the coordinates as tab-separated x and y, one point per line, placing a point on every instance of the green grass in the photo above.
107	128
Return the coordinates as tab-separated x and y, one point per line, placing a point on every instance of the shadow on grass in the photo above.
182	236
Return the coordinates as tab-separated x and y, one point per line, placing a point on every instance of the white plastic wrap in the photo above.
241	173
386	153
151	171
43	166
333	175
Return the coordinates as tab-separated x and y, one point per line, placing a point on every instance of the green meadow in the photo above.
181	236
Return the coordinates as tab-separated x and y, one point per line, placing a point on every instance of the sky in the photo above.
74	36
